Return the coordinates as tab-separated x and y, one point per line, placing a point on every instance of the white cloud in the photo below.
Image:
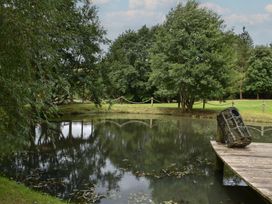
151	4
139	13
119	21
250	19
218	9
133	18
268	8
130	14
257	19
154	4
100	2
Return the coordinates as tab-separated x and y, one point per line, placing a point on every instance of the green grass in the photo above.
251	110
13	193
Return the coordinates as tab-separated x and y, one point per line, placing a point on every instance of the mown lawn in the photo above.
251	110
13	193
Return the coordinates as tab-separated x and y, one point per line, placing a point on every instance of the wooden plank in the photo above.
253	164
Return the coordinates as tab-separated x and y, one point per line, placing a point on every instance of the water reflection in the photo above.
126	161
261	133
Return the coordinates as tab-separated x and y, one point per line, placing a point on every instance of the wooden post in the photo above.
151	123
152	101
263	107
232	103
204	102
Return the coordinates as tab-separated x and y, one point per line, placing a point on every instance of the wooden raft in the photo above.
253	164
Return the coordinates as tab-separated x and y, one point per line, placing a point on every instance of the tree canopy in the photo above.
190	55
259	73
48	51
128	65
243	47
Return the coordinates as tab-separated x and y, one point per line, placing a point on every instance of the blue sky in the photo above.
119	15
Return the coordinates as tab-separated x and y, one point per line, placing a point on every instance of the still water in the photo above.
127	159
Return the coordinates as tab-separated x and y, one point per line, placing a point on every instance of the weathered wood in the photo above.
253	164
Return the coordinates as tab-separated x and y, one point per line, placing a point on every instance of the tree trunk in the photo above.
179	100
32	135
83	90
258	96
183	106
70	134
82	124
185	103
190	104
204	103
72	98
241	89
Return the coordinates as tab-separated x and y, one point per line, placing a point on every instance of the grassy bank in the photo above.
251	110
13	193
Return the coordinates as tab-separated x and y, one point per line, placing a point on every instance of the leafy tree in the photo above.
127	64
48	50
190	55
259	73
82	53
243	47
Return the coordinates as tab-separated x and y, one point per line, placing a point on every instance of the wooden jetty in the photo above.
253	164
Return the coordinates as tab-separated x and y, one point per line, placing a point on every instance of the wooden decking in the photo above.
253	164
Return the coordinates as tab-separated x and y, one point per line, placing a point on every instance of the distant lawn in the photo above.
242	105
13	193
251	110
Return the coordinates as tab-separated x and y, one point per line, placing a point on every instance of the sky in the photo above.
117	16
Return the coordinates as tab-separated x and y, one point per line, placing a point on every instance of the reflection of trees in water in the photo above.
70	155
201	189
190	189
261	133
62	163
184	143
70	159
176	141
175	145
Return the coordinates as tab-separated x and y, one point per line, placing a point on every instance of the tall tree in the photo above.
44	47
190	55
82	52
259	73
128	64
243	47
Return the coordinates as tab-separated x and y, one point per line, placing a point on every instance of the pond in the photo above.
127	159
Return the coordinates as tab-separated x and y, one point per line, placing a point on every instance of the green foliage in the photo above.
191	54
246	38
48	51
127	64
259	73
243	45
